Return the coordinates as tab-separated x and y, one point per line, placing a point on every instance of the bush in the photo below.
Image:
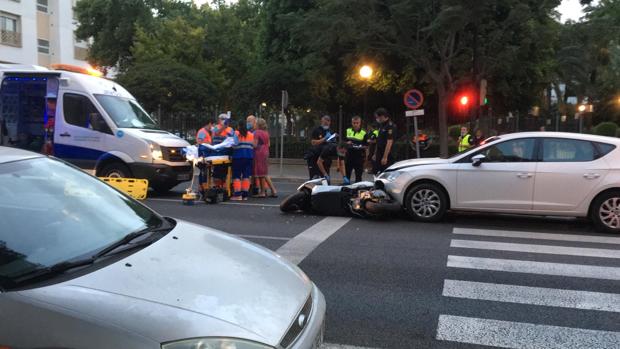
608	128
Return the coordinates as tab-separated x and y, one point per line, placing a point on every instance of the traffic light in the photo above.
464	100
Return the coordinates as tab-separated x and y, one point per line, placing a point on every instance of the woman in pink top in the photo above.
261	156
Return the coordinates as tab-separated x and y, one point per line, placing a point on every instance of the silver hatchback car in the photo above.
84	266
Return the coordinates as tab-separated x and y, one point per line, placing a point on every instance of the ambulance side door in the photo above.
81	132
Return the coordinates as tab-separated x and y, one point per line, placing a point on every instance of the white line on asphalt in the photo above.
532	295
508	334
262	237
529	267
544	249
340	346
539	236
303	244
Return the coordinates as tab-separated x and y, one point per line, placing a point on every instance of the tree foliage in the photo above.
180	58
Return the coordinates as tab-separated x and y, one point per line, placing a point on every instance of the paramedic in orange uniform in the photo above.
242	159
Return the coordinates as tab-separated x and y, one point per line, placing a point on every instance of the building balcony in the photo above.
11	38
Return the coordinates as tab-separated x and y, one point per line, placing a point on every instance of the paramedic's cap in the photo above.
223	116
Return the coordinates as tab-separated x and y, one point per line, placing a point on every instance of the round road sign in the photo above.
413	99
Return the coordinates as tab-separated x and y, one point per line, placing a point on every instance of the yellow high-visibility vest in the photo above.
464	144
356	136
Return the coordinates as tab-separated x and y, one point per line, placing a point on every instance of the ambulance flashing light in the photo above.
77	69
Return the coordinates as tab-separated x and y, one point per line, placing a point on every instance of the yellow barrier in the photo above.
136	188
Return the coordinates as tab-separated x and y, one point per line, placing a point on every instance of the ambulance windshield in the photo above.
126	113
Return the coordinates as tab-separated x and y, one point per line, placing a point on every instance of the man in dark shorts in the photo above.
382	158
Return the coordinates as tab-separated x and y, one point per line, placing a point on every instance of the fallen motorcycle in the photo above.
360	199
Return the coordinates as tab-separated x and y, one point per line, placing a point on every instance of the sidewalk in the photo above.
296	171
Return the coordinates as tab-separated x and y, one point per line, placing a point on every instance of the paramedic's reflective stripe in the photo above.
244	145
355	136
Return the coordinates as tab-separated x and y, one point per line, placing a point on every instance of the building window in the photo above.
43	46
42	5
10	29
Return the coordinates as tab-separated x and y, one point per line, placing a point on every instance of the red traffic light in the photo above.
464	100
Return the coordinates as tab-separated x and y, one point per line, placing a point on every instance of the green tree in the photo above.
448	43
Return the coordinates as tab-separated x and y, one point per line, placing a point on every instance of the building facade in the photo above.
40	32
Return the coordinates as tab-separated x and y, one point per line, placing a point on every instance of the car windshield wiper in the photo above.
61	267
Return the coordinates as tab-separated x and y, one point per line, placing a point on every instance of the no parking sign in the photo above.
413	99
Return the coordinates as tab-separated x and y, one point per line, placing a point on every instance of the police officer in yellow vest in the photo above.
465	140
357	138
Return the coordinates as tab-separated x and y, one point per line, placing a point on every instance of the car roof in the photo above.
8	154
545	134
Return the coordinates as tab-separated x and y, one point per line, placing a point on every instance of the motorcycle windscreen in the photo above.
331	203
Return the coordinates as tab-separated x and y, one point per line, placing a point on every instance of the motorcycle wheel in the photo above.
300	201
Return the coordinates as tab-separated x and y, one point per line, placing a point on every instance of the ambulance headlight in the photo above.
156	153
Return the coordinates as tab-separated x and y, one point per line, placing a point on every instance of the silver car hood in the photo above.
417	162
204	283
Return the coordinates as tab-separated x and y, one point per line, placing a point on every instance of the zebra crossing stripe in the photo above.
530	267
537	236
532	295
508	334
544	249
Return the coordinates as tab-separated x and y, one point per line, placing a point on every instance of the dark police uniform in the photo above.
387	131
313	153
356	153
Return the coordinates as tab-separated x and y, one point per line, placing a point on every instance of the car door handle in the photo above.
525	175
591	175
65	134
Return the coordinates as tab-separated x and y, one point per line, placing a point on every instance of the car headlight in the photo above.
214	343
156	153
390	176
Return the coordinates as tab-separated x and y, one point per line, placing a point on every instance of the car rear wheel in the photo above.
116	170
426	202
605	213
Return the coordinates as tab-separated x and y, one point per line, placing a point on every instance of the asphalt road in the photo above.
472	281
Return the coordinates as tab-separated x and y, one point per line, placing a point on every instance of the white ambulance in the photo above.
74	114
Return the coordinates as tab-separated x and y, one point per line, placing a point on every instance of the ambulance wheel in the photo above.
116	170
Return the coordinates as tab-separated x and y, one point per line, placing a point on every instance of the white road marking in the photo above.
539	236
508	334
544	249
532	295
543	268
303	244
262	237
341	346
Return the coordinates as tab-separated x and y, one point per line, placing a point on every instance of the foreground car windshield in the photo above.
51	212
125	112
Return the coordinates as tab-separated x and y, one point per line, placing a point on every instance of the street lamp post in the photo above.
366	72
260	108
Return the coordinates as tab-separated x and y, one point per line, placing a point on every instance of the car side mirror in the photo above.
477	160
